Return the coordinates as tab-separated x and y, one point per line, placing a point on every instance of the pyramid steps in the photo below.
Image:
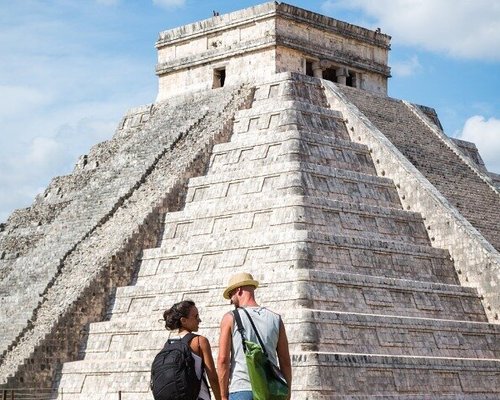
320	330
341	374
287	115
381	262
291	145
143	336
334	374
328	291
324	251
284	88
395	335
80	377
296	178
300	106
439	163
329	216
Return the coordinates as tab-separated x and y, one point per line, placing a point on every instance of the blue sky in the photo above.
69	70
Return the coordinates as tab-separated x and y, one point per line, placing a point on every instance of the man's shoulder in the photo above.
228	315
264	310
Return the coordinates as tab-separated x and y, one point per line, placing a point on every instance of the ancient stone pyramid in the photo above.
385	277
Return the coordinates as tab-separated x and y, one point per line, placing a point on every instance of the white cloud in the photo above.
61	91
460	28
17	100
169	3
485	133
408	67
42	152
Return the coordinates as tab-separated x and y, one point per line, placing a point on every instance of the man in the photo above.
232	369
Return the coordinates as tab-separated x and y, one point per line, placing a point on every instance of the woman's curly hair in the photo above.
173	315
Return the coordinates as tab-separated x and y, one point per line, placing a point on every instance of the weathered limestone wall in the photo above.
476	260
241	42
332	44
470	150
245	67
254	43
76	288
289	60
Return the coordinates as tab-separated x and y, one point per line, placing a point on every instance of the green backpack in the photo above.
266	378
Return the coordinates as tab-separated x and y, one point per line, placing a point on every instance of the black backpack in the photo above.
173	375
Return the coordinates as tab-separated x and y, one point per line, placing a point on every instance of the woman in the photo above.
184	318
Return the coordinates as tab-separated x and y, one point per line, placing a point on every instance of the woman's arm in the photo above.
208	360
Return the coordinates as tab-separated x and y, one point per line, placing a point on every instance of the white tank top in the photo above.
204	393
268	325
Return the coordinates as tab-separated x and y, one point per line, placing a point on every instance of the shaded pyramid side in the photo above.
370	307
92	245
436	159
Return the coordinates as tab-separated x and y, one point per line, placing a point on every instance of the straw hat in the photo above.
239	280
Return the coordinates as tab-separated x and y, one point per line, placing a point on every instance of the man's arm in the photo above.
224	357
284	356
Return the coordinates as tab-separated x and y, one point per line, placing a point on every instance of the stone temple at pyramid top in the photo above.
251	44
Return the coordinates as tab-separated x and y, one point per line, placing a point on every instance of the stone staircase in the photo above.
53	292
372	310
437	158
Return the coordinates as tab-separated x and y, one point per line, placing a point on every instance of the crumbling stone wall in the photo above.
143	180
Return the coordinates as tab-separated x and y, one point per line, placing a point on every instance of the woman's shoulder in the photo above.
204	342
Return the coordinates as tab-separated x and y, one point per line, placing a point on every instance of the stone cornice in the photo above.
215	55
342	57
266	11
272	41
329	24
216	24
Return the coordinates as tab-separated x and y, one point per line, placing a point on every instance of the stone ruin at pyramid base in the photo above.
272	148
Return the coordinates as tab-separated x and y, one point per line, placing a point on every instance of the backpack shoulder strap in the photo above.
188	337
240	328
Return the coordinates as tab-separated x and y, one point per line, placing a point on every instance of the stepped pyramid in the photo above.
369	305
386	282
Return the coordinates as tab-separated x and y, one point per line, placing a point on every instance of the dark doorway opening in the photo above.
309	68
330	74
219	77
351	79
